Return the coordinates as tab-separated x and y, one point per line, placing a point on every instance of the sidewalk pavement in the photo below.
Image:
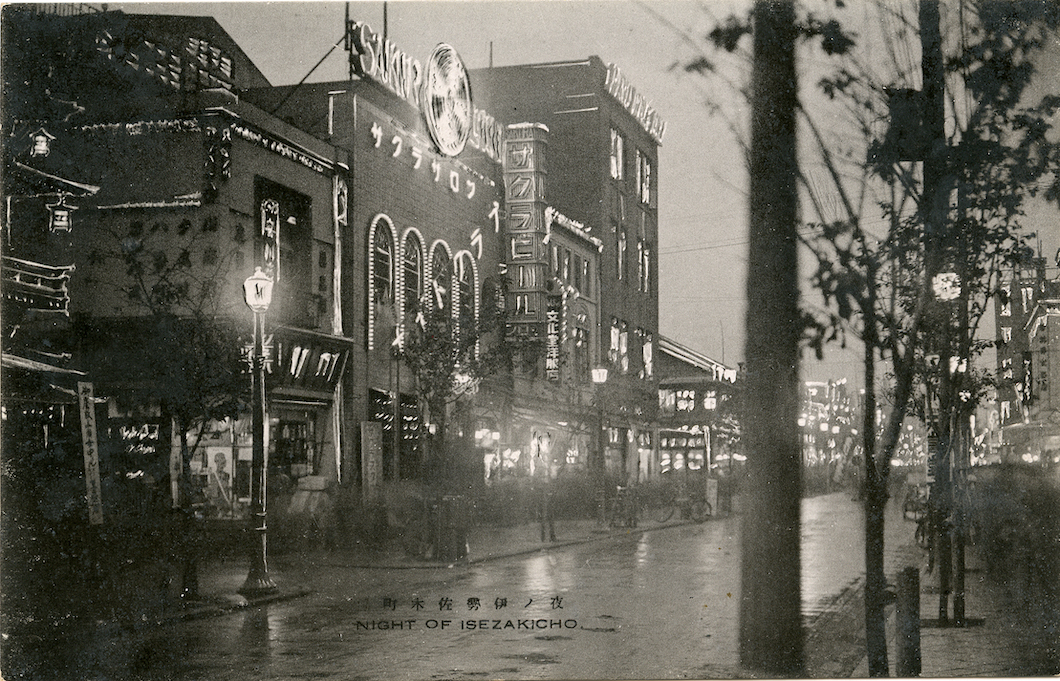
221	579
1000	638
999	641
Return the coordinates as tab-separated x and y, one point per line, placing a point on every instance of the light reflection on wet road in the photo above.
650	604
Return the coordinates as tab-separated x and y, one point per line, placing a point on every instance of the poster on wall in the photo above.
371	461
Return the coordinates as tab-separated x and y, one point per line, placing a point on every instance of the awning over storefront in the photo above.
307	364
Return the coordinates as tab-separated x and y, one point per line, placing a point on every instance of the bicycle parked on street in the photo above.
691	506
623	509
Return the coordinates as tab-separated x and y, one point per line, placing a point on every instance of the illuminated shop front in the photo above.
513	453
300	380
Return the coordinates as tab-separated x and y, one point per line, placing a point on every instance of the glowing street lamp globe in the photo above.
257	291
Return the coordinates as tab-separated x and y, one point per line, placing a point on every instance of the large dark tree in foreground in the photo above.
905	199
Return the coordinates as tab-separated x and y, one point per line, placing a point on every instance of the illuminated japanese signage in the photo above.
278	147
270	238
635	103
441	91
553	313
307	361
404	147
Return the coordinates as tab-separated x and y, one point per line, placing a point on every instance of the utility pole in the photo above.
771	637
934	207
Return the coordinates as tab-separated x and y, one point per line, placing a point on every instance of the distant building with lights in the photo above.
1027	338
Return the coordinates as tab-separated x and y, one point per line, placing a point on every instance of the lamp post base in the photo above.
258	583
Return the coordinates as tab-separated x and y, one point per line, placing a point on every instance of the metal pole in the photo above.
934	206
258	580
598	468
907	619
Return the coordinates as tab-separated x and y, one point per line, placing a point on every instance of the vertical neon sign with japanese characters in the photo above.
552	337
270	238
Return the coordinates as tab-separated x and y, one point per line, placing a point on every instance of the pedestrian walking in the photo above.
542	485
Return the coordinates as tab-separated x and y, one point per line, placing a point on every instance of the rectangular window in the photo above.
612	353
1006	334
1028	297
667	401
565	266
617	154
647	356
623	348
686	400
581	354
586	278
644	179
576	272
645	281
640	264
554	255
620	254
1006	300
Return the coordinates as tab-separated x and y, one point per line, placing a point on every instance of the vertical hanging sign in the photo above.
88	440
270	238
371	461
552	337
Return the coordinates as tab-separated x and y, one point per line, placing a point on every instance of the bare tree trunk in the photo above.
771	637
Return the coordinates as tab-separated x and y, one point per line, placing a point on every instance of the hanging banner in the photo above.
88	440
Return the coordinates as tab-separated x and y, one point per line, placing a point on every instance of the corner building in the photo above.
603	170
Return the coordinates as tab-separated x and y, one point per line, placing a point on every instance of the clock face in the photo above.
447	100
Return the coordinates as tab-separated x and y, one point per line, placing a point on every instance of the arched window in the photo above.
382	266
441	278
412	272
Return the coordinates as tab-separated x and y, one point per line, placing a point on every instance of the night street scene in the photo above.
616	339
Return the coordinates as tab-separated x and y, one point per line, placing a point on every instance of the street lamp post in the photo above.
257	292
599	378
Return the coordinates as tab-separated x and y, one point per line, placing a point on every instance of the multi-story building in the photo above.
167	190
698	425
1024	343
378	208
1037	440
1018	295
603	170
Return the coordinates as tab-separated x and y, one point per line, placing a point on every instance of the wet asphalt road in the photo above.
649	604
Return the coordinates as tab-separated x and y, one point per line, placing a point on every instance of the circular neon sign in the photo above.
447	100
